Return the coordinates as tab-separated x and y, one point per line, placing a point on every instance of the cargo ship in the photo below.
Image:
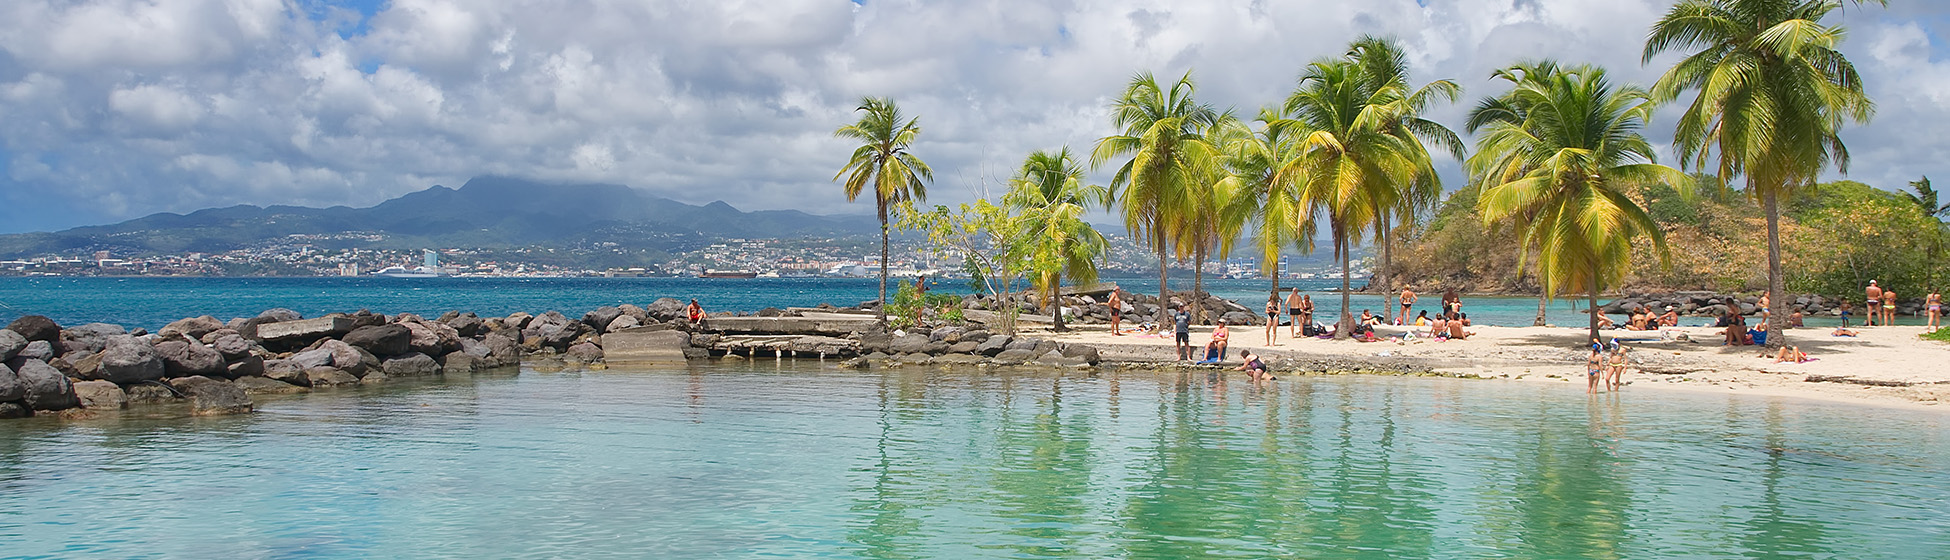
728	274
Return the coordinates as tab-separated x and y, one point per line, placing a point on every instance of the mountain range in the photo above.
486	212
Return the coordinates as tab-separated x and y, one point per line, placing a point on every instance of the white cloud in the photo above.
150	105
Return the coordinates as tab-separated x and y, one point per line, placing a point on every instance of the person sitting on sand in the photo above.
1636	322
1791	354
1736	329
1254	368
1464	317
1422	320
1439	328
1844	331
1605	322
1670	319
1369	319
1758	335
1456	331
1594	367
695	312
1794	319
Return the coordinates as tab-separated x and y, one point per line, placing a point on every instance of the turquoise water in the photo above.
153	302
773	459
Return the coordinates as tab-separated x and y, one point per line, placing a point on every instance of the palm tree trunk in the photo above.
1164	293
1542	300
1382	276
1345	329
1776	284
880	311
1593	296
1056	304
1273	321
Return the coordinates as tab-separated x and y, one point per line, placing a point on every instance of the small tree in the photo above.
984	235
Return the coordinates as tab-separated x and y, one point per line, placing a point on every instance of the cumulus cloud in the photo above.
116	108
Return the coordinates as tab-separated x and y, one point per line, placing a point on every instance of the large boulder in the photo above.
266	386
345	357
100	395
11	343
993	345
665	309
1015	356
623	322
502	351
194	327
231	344
46	388
14	410
909	344
598	320
40	350
184	358
1083	352
584	353
11	389
127	359
329	377
279	315
286	371
561	336
211	397
409	365
642	345
457	363
467	324
316	357
1239	318
431	338
383	340
303	331
634	312
247	366
92	337
36	327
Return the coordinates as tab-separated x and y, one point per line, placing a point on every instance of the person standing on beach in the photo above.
1116	305
1874	294
1181	323
1408	301
1594	367
1306	312
1273	319
1848	309
1616	368
1293	311
1933	307
1888	307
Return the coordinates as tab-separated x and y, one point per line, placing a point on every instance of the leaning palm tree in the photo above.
1508	109
1352	164
1773	92
1207	226
1385	66
1159	129
1565	169
1925	198
883	162
1266	199
1050	191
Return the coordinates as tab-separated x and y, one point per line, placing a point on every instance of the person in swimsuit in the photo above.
1848	308
1408	300
1293	310
1306	311
1765	309
1790	354
1368	318
1221	338
1116	305
1254	368
1422	319
1272	319
1670	319
1182	330
1888	307
695	312
1933	308
1874	294
1616	369
1593	367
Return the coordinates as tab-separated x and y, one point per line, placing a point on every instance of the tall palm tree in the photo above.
1508	109
1050	191
1385	66
1773	92
1925	198
1353	162
1160	129
884	162
1206	225
1267	199
1567	167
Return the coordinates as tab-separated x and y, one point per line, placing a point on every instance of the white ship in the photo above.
403	272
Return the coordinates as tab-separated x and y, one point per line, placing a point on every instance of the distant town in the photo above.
313	255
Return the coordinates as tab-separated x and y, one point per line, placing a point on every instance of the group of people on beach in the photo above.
1881	304
1602	370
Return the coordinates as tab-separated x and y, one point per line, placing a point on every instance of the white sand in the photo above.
1893	355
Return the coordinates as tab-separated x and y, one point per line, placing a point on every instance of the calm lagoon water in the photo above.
772	459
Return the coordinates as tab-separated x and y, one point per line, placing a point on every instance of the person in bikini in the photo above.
1790	354
1272	319
1933	308
1293	311
1215	351
1888	307
1116	305
1594	366
1616	369
1874	314
1408	300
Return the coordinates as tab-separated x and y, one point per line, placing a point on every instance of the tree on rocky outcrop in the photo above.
1057	241
884	163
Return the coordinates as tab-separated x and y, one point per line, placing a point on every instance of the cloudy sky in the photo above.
112	109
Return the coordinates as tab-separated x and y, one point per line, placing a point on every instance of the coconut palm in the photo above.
1564	169
1160	130
1050	191
1385	66
1773	92
1353	163
1207	225
1925	198
883	162
1508	109
1265	198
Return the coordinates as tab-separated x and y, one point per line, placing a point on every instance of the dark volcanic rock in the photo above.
585	353
599	319
409	365
329	377
100	395
287	371
467	324
11	388
909	344
194	327
46	388
623	322
665	309
150	393
211	397
279	314
993	345
39	350
126	359
1014	356
345	357
15	410
36	327
266	386
92	337
184	358
231	344
245	367
458	363
11	343
431	338
383	340
1083	352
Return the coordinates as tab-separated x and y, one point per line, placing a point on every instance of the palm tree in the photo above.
1565	169
1385	66
1206	225
1508	109
1354	163
1050	191
1159	129
883	161
1265	198
1925	198
1773	92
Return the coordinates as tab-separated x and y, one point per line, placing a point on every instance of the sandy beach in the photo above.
1885	366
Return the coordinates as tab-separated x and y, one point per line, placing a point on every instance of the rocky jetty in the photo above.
1711	304
1087	306
214	366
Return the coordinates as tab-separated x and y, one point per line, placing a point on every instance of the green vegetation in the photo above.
882	160
910	307
1054	239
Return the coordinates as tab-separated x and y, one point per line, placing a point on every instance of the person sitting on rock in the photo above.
695	312
1215	351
